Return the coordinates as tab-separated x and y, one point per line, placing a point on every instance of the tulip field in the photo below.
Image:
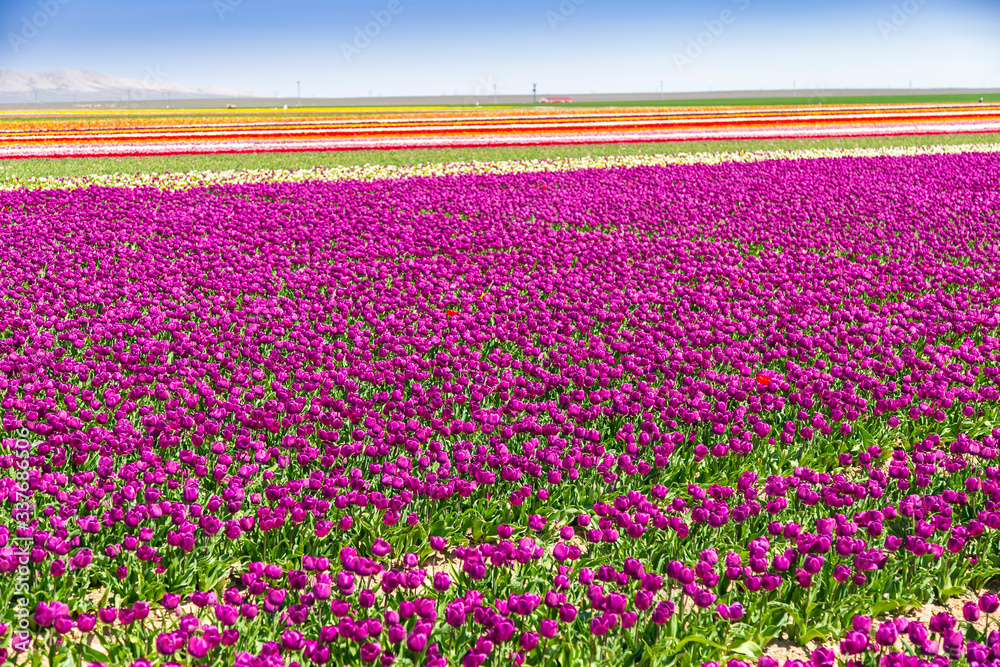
619	414
94	133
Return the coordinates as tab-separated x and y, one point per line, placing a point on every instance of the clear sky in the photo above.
432	47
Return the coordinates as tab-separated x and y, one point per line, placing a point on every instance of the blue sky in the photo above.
464	47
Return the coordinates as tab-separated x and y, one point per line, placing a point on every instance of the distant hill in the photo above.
70	85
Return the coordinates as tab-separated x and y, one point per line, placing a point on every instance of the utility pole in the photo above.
298	93
534	93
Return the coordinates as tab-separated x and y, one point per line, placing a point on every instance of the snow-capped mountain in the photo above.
69	85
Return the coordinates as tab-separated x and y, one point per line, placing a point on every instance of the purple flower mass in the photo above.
474	418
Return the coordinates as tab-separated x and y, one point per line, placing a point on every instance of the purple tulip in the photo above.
197	646
823	657
167	643
952	641
370	652
292	640
942	622
886	634
854	643
63	625
366	598
82	559
442	582
44	615
704	598
381	548
226	614
663	611
416	643
567	613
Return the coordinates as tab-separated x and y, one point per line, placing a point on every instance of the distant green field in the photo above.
69	167
805	98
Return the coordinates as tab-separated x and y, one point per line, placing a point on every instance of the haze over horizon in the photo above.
426	47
